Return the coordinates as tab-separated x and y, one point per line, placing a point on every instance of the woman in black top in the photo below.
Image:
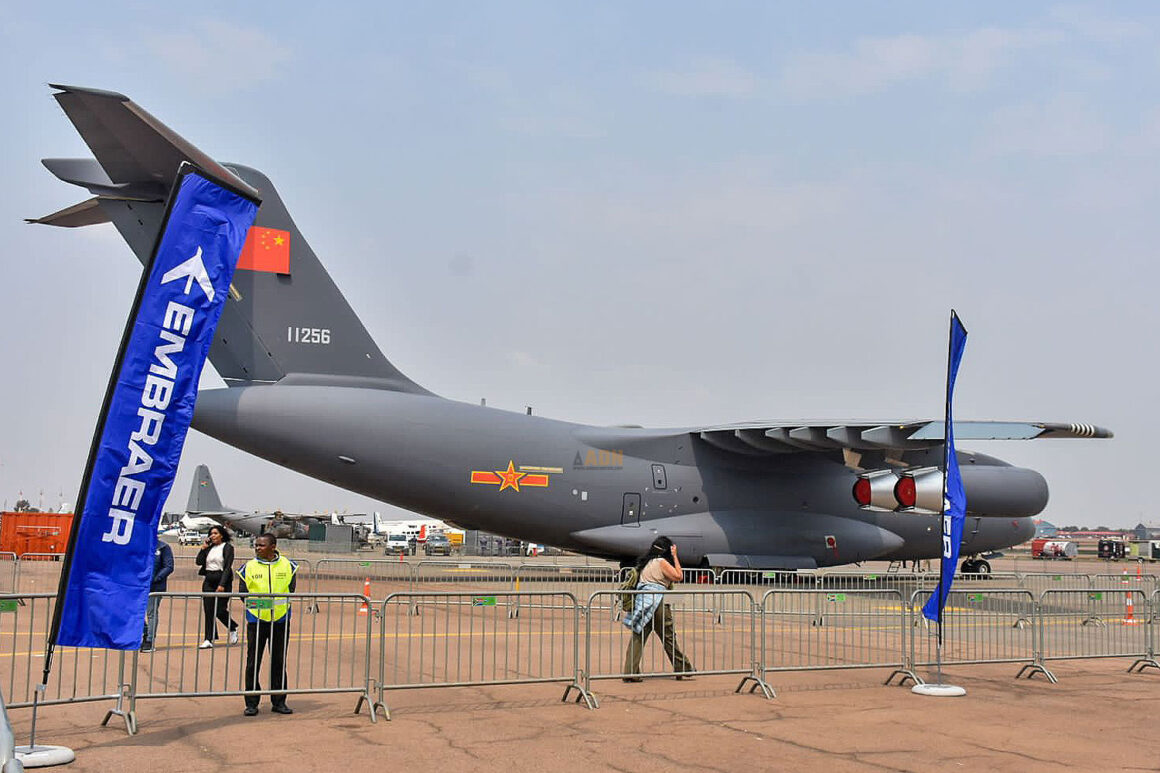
216	559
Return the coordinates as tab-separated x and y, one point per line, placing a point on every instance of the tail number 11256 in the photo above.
308	335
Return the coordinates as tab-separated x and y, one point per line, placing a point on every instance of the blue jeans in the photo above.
151	618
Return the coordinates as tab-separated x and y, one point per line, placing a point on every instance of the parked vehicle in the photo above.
397	544
437	545
190	537
1112	549
1053	549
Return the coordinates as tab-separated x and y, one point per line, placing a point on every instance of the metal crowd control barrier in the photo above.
326	652
38	572
708	646
80	674
760	577
1094	623
693	577
1149	659
469	639
467	574
185	577
804	630
979	626
348	575
1039	582
9	572
1144	582
580	580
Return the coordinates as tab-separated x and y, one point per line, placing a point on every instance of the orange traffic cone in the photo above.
363	609
1129	611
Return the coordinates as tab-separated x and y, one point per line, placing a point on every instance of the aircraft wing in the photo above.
767	438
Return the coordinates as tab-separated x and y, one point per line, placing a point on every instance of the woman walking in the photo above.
216	559
657	569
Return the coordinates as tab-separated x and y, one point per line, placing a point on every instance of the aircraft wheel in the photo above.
982	567
968	567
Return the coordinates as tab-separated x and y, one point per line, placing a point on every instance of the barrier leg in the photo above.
364	697
380	705
119	710
904	673
1031	669
124	690
581	695
758	684
1148	662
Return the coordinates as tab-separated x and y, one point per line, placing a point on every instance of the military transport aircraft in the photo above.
769	494
204	503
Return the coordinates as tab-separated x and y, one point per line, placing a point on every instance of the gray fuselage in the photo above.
598	488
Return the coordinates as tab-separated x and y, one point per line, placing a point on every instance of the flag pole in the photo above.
948	436
939	689
218	201
98	432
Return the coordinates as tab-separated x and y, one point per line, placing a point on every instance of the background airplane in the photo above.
205	509
310	390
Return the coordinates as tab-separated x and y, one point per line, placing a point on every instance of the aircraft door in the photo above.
971	528
630	514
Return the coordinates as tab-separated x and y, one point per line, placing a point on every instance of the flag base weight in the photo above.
42	756
938	690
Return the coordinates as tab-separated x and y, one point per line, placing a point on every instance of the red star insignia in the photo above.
511	478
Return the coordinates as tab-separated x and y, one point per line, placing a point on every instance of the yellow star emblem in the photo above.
510	478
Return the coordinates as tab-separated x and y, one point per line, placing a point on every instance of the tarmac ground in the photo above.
1097	718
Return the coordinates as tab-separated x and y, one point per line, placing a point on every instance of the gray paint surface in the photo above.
310	390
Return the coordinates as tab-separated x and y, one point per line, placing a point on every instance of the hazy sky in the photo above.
659	213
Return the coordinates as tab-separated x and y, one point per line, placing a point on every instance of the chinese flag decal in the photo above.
266	249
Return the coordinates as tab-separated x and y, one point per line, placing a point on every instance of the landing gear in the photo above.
975	566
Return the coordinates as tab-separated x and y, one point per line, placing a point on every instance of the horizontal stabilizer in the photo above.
87	173
285	316
87	212
131	145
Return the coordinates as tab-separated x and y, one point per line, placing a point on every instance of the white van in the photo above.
396	544
190	537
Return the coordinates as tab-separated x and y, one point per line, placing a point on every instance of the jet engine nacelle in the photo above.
992	490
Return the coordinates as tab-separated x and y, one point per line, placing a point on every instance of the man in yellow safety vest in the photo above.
267	619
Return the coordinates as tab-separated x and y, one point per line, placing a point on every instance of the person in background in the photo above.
162	568
268	619
216	559
658	569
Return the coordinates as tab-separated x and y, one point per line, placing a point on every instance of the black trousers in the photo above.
258	635
218	608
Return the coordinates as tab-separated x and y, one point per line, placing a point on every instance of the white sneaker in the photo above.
205	645
234	636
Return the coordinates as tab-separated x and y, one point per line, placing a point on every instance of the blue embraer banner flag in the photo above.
954	498
148	414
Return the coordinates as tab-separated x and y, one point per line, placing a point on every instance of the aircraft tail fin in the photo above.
285	320
203	496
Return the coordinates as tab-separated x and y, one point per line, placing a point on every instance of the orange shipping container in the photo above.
41	533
